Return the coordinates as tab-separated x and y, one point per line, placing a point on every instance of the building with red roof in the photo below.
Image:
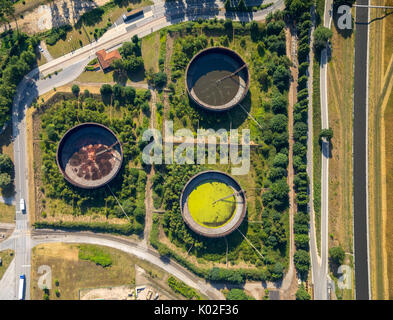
106	58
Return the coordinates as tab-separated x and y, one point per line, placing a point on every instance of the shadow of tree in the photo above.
120	77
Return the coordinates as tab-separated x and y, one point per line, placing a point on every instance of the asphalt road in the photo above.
69	67
131	247
319	264
360	172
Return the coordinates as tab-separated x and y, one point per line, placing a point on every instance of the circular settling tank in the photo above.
217	79
89	155
213	204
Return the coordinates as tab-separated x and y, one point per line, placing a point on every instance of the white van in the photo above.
22	206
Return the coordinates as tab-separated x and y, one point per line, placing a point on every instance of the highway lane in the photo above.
69	67
360	132
23	98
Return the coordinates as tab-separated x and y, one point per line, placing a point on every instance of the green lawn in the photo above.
150	51
7	213
6	257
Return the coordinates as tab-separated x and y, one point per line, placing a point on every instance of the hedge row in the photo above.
301	222
101	227
180	287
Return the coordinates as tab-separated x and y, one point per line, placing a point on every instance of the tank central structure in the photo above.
217	79
213	204
89	155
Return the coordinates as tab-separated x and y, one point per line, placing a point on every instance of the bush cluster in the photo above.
299	11
180	287
17	57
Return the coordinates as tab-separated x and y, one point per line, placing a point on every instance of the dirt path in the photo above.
149	204
149	207
167	70
289	284
46	53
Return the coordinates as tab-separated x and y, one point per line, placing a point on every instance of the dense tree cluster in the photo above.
337	255
132	60
321	37
128	186
7	10
17	57
6	171
158	80
270	67
185	48
55	34
302	294
299	11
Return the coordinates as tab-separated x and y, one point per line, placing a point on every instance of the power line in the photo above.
244	109
249	242
118	203
372	7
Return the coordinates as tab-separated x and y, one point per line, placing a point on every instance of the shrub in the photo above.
180	287
238	294
95	254
337	255
302	262
302	294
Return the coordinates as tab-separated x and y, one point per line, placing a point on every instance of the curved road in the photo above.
319	264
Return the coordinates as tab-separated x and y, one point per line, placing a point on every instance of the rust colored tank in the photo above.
89	155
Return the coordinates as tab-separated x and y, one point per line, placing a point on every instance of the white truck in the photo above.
21	289
22	206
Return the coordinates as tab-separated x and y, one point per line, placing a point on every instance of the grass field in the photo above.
109	77
205	210
6	257
381	51
340	83
150	51
340	77
387	114
7	213
388	117
74	274
28	5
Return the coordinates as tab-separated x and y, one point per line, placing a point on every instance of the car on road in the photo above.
40	48
22	206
